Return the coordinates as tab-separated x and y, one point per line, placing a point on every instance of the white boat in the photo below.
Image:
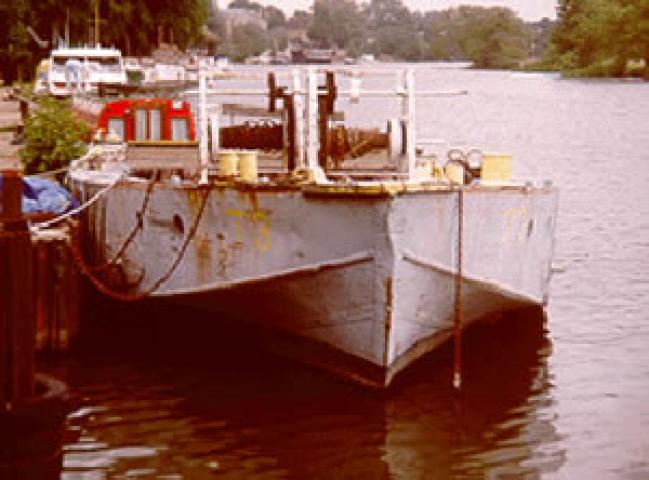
84	69
362	270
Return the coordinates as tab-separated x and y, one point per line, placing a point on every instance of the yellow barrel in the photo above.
496	168
454	172
227	163
436	170
248	165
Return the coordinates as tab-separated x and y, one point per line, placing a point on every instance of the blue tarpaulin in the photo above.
42	195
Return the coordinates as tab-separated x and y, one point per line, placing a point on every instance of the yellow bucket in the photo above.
227	163
454	172
496	168
248	165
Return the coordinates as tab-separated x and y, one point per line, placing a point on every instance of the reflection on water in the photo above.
158	403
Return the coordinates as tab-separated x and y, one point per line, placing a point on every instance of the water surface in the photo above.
562	397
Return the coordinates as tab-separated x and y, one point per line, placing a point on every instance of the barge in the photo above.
364	252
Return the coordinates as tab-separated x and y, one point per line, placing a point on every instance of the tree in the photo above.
600	37
337	23
14	39
381	13
493	37
394	30
637	39
300	20
274	17
246	41
53	137
489	37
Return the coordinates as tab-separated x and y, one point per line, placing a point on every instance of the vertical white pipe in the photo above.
203	120
298	110
355	88
400	91
312	119
409	117
214	128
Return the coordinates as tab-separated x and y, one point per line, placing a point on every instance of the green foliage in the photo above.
245	41
299	21
489	37
53	137
601	38
393	30
336	23
274	17
493	37
15	52
131	25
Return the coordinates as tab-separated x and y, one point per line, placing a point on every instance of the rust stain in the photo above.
252	199
387	319
193	199
203	249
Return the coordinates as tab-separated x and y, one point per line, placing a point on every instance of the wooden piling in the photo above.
17	314
57	296
33	408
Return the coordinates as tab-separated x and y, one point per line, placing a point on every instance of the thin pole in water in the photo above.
457	327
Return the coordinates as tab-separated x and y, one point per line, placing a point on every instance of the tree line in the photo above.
590	37
600	38
488	37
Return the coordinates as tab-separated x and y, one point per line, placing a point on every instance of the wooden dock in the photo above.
33	407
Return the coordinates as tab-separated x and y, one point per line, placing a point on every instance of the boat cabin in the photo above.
84	69
148	119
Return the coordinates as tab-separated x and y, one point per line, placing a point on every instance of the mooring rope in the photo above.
51	173
35	227
88	272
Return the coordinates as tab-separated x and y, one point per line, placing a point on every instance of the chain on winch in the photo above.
269	135
261	135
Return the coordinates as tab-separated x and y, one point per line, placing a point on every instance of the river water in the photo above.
160	395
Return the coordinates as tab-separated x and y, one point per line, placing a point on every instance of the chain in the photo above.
139	216
89	273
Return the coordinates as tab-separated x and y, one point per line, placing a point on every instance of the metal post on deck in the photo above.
215	132
312	120
202	109
457	324
298	109
408	113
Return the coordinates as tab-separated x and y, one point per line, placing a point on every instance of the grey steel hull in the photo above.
364	276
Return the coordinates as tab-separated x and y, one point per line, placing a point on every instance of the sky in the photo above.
526	9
